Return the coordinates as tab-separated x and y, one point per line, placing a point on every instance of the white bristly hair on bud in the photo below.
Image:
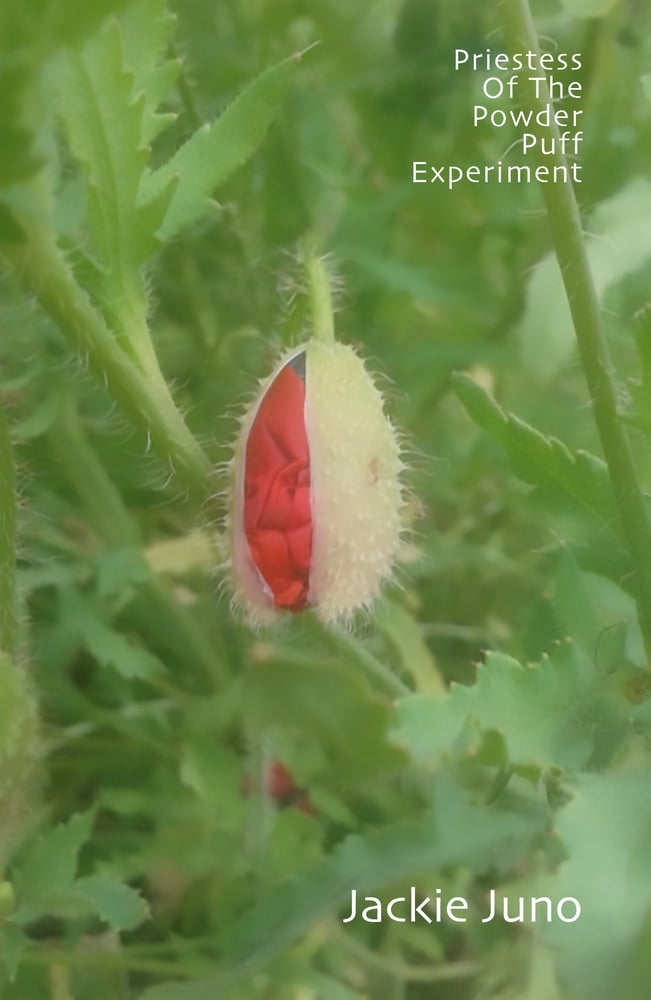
357	495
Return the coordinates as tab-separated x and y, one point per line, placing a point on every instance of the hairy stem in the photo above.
567	233
145	399
320	294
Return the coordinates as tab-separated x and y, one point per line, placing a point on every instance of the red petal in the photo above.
277	507
279	782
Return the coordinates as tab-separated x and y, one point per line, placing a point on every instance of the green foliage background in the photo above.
489	725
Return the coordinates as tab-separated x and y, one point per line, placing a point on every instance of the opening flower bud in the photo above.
316	498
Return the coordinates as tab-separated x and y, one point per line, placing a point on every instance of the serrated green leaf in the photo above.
49	866
153	76
108	95
543	462
122	907
111	649
119	572
80	626
29	34
214	774
455	832
103	119
215	151
548	714
150	216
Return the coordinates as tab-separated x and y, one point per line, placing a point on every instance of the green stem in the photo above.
567	233
8	599
320	294
18	739
348	646
146	400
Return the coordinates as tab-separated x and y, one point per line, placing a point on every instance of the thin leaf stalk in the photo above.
567	234
320	294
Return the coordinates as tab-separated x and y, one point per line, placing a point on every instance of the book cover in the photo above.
325	538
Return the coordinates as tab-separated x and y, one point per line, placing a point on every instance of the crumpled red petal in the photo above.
277	506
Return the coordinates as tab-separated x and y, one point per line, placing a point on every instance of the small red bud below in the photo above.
281	788
280	784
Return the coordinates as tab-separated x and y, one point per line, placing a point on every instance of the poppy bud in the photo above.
316	498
